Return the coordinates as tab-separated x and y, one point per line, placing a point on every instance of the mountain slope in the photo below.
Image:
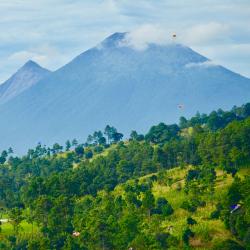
115	84
28	75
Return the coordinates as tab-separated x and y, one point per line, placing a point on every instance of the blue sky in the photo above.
52	32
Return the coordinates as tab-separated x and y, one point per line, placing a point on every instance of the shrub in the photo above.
191	221
163	207
187	234
188	206
79	150
98	149
89	155
215	214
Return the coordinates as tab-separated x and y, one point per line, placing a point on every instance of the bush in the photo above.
162	239
163	207
98	149
79	150
187	234
191	221
215	214
153	177
192	174
188	206
89	155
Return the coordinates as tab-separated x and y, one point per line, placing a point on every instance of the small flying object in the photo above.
180	106
174	37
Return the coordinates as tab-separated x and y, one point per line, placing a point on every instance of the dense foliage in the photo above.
99	194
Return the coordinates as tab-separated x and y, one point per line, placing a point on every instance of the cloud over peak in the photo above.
144	35
72	26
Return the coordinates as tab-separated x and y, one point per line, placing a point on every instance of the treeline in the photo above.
217	119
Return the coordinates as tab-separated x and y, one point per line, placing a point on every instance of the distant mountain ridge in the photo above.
115	84
28	75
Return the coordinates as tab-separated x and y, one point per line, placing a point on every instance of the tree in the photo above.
109	131
148	201
162	239
129	226
97	136
2	160
42	207
214	121
187	234
183	123
89	154
191	221
133	135
10	151
89	140
15	216
102	141
74	142
163	207
117	137
236	156
57	148
60	215
4	154
67	145
162	133
125	170
79	150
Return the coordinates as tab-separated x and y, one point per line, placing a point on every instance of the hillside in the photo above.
208	231
113	83
176	187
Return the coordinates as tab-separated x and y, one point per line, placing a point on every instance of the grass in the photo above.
25	230
207	231
104	153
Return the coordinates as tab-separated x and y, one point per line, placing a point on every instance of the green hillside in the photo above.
183	186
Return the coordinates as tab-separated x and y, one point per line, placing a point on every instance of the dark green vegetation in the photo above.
177	187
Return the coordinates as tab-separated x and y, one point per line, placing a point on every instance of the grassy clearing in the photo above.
26	229
207	231
104	153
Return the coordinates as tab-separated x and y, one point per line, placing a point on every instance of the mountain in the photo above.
115	84
28	75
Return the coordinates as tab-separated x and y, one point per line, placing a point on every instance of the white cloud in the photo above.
232	56
206	33
45	55
206	64
24	56
71	26
140	37
144	35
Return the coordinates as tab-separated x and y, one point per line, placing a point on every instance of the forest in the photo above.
179	186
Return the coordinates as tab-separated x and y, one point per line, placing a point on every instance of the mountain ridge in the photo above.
118	85
25	77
